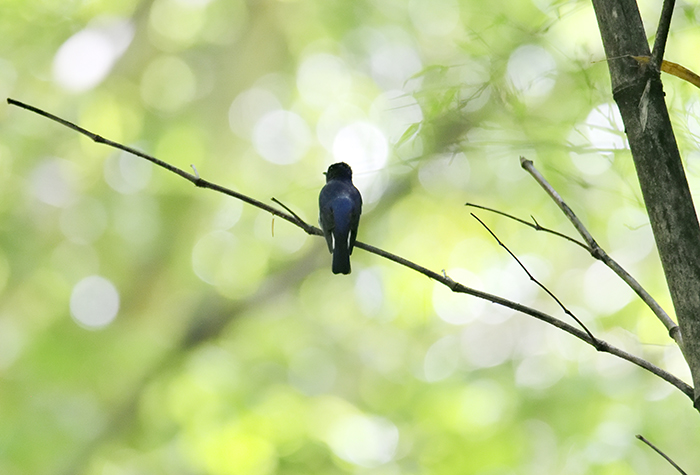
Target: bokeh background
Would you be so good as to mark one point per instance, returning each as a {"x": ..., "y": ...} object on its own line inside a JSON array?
[{"x": 149, "y": 327}]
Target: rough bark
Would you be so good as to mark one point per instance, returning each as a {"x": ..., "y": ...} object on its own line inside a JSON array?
[{"x": 638, "y": 92}]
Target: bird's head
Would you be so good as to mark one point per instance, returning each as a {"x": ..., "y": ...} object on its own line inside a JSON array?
[{"x": 339, "y": 171}]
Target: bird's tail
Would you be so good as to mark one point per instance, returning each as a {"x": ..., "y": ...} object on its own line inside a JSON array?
[
  {"x": 341, "y": 254},
  {"x": 341, "y": 258}
]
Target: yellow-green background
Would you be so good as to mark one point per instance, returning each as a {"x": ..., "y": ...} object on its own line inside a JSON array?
[{"x": 275, "y": 365}]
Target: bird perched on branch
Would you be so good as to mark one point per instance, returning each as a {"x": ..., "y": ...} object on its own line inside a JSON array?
[{"x": 340, "y": 206}]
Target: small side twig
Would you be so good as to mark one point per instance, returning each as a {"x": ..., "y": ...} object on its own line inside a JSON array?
[
  {"x": 301, "y": 222},
  {"x": 594, "y": 340},
  {"x": 598, "y": 253},
  {"x": 658, "y": 451},
  {"x": 534, "y": 225}
]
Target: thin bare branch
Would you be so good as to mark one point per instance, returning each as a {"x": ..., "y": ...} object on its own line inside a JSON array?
[
  {"x": 444, "y": 279},
  {"x": 194, "y": 179},
  {"x": 658, "y": 451},
  {"x": 598, "y": 253},
  {"x": 534, "y": 225},
  {"x": 540, "y": 284}
]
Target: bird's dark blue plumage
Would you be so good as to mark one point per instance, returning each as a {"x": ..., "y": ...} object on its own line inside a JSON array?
[{"x": 340, "y": 206}]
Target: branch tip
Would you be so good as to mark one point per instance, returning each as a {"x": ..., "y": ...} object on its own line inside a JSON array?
[{"x": 660, "y": 452}]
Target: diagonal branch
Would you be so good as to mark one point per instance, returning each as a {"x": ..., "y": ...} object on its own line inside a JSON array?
[
  {"x": 600, "y": 345},
  {"x": 598, "y": 253},
  {"x": 194, "y": 179}
]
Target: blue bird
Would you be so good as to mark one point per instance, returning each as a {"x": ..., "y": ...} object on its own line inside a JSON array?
[{"x": 340, "y": 206}]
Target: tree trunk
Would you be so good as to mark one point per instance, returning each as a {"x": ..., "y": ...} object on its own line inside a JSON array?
[{"x": 638, "y": 92}]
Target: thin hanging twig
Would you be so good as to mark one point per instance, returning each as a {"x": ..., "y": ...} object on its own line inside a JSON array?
[{"x": 594, "y": 340}]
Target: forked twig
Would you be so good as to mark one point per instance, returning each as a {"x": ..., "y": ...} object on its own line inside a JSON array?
[
  {"x": 598, "y": 253},
  {"x": 534, "y": 225}
]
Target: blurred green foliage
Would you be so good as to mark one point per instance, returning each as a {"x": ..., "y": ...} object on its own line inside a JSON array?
[{"x": 234, "y": 349}]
